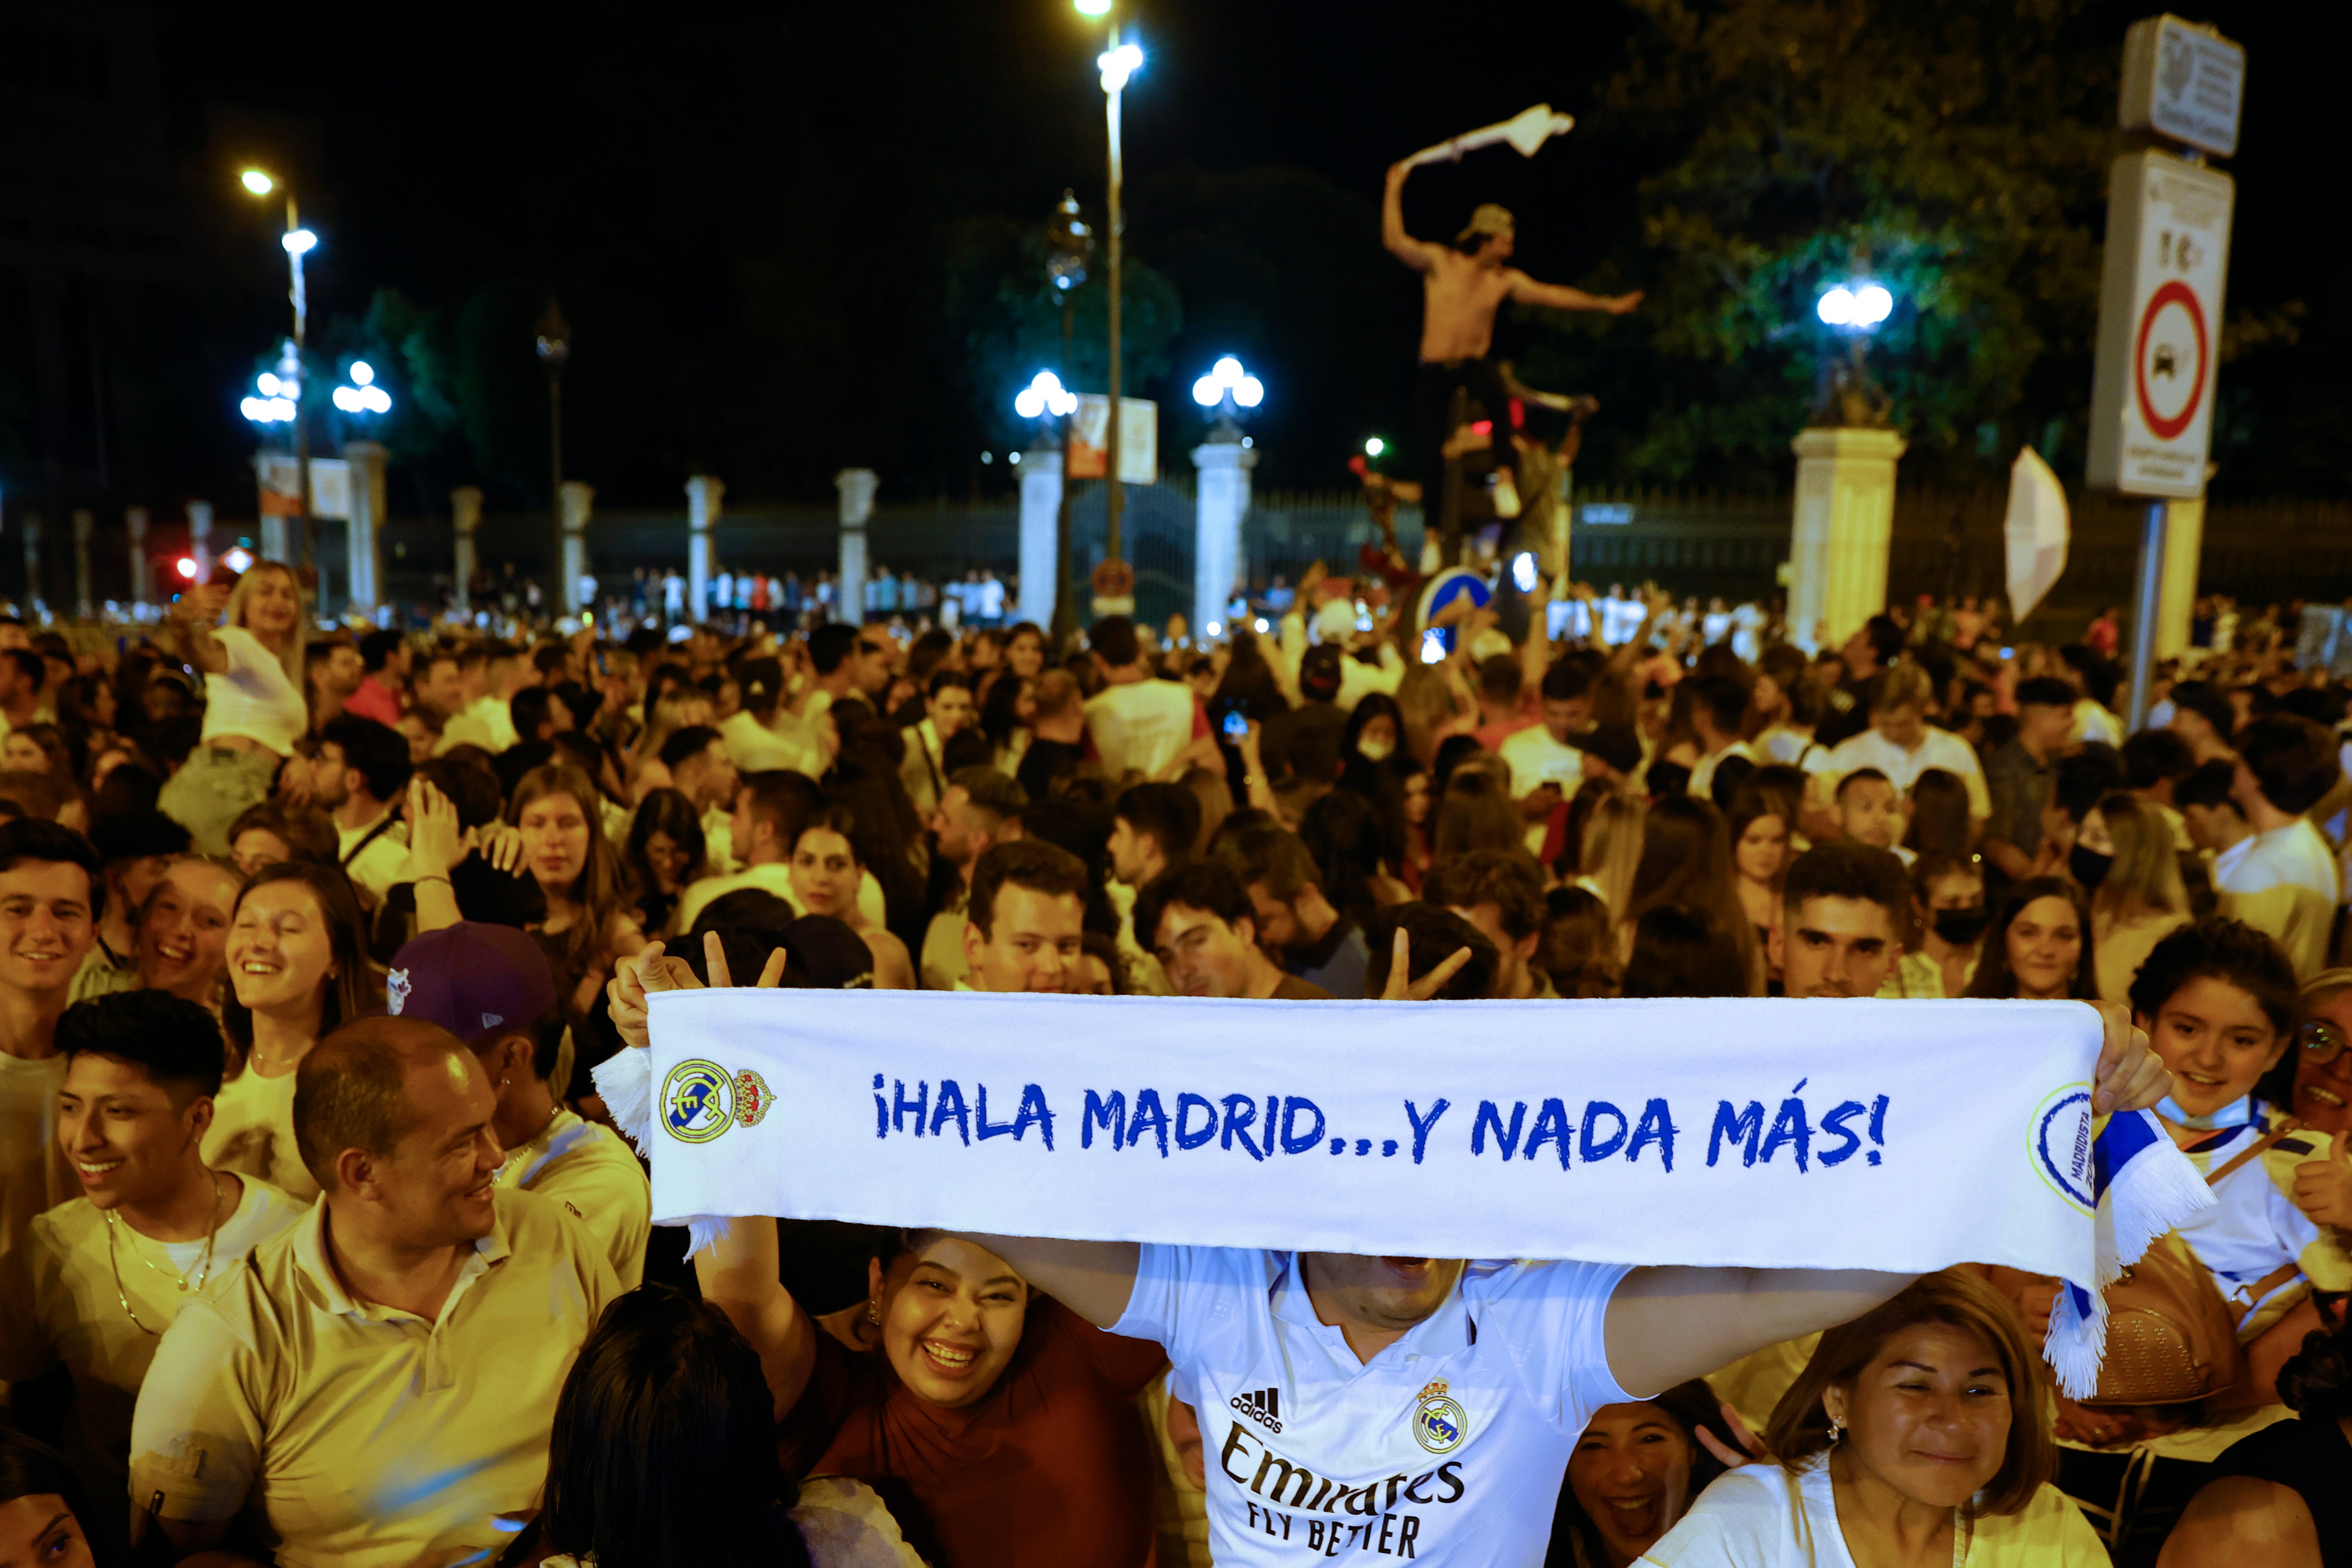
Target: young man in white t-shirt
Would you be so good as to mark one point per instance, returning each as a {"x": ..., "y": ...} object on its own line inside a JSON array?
[
  {"x": 1137, "y": 724},
  {"x": 1546, "y": 764},
  {"x": 2284, "y": 881}
]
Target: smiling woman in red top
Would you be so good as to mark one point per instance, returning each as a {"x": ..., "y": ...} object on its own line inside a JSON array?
[{"x": 999, "y": 1425}]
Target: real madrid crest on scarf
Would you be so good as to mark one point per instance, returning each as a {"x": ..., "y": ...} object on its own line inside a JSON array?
[
  {"x": 1439, "y": 1421},
  {"x": 700, "y": 1100}
]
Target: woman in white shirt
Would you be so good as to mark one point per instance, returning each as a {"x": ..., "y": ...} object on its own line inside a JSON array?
[
  {"x": 298, "y": 968},
  {"x": 254, "y": 710},
  {"x": 1916, "y": 1437}
]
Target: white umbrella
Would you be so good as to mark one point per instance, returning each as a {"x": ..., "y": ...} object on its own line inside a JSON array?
[{"x": 2036, "y": 529}]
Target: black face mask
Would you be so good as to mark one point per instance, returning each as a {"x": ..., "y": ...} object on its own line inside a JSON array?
[
  {"x": 1962, "y": 926},
  {"x": 2090, "y": 867}
]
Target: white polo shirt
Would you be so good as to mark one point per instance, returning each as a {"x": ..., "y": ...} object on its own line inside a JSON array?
[
  {"x": 358, "y": 1436},
  {"x": 1446, "y": 1448},
  {"x": 588, "y": 1170},
  {"x": 1940, "y": 749}
]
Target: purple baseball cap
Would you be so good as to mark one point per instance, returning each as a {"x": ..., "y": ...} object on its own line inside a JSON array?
[{"x": 473, "y": 979}]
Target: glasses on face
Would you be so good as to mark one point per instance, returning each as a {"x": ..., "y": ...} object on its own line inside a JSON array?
[{"x": 2322, "y": 1043}]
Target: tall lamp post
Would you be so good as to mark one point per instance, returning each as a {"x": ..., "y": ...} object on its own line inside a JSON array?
[
  {"x": 554, "y": 345},
  {"x": 297, "y": 242},
  {"x": 1117, "y": 62},
  {"x": 1069, "y": 245}
]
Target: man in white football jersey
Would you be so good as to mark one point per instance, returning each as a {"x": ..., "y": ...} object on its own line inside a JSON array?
[{"x": 1416, "y": 1407}]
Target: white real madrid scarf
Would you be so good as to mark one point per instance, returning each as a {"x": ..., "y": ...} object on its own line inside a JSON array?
[{"x": 1902, "y": 1136}]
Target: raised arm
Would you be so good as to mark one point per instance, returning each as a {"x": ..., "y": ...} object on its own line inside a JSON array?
[
  {"x": 189, "y": 628},
  {"x": 1667, "y": 1325},
  {"x": 1561, "y": 296},
  {"x": 1417, "y": 253},
  {"x": 1092, "y": 1278},
  {"x": 739, "y": 1273}
]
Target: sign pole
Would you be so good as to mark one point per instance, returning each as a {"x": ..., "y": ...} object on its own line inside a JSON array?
[
  {"x": 2149, "y": 596},
  {"x": 2161, "y": 294}
]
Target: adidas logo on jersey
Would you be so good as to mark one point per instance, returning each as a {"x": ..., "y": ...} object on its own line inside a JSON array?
[{"x": 1263, "y": 1405}]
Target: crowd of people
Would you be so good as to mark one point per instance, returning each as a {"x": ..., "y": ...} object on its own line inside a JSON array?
[{"x": 318, "y": 1245}]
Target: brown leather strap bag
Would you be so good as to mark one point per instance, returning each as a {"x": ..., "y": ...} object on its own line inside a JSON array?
[{"x": 2171, "y": 1336}]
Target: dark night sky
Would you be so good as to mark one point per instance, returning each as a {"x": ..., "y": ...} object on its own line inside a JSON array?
[{"x": 643, "y": 146}]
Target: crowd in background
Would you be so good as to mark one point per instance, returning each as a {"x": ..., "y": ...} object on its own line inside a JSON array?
[{"x": 317, "y": 1246}]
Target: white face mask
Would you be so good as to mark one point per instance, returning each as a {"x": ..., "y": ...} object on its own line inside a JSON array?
[{"x": 1373, "y": 750}]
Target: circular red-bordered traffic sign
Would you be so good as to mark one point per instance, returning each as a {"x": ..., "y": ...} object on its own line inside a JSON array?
[{"x": 2173, "y": 293}]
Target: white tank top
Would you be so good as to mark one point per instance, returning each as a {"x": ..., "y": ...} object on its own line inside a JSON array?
[{"x": 254, "y": 698}]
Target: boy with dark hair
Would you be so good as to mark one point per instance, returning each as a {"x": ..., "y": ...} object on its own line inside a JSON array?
[
  {"x": 1546, "y": 763},
  {"x": 1842, "y": 908},
  {"x": 1870, "y": 809},
  {"x": 360, "y": 778},
  {"x": 1296, "y": 923},
  {"x": 1024, "y": 922},
  {"x": 2020, "y": 773},
  {"x": 2215, "y": 824},
  {"x": 1500, "y": 892},
  {"x": 51, "y": 895},
  {"x": 1153, "y": 826},
  {"x": 1199, "y": 921},
  {"x": 1718, "y": 709},
  {"x": 971, "y": 819},
  {"x": 2204, "y": 718},
  {"x": 152, "y": 1226},
  {"x": 2283, "y": 880},
  {"x": 385, "y": 660}
]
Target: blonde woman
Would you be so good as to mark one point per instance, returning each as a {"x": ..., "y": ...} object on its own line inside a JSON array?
[
  {"x": 2124, "y": 851},
  {"x": 254, "y": 710},
  {"x": 1611, "y": 851}
]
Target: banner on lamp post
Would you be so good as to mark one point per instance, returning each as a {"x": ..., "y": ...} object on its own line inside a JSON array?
[{"x": 1138, "y": 439}]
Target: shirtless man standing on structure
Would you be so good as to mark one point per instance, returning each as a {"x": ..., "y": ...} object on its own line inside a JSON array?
[{"x": 1461, "y": 285}]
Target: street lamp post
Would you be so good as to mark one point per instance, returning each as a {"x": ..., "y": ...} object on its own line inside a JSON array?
[
  {"x": 297, "y": 242},
  {"x": 1118, "y": 63},
  {"x": 1069, "y": 244},
  {"x": 554, "y": 345}
]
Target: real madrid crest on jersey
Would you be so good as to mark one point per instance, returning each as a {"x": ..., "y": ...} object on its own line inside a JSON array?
[
  {"x": 700, "y": 1100},
  {"x": 1439, "y": 1421}
]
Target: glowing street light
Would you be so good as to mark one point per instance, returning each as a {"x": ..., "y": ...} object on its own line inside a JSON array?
[
  {"x": 1859, "y": 306},
  {"x": 297, "y": 242},
  {"x": 1374, "y": 447},
  {"x": 280, "y": 391},
  {"x": 1226, "y": 381},
  {"x": 363, "y": 396},
  {"x": 1044, "y": 396}
]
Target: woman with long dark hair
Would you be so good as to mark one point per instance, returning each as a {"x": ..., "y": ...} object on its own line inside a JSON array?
[
  {"x": 590, "y": 920},
  {"x": 663, "y": 1454},
  {"x": 1686, "y": 860},
  {"x": 666, "y": 850},
  {"x": 1633, "y": 1474},
  {"x": 299, "y": 968},
  {"x": 2039, "y": 946},
  {"x": 45, "y": 1515}
]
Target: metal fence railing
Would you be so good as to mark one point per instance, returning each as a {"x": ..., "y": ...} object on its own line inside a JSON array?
[{"x": 1703, "y": 543}]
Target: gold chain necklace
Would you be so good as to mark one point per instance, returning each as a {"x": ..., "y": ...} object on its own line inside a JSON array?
[{"x": 203, "y": 1269}]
